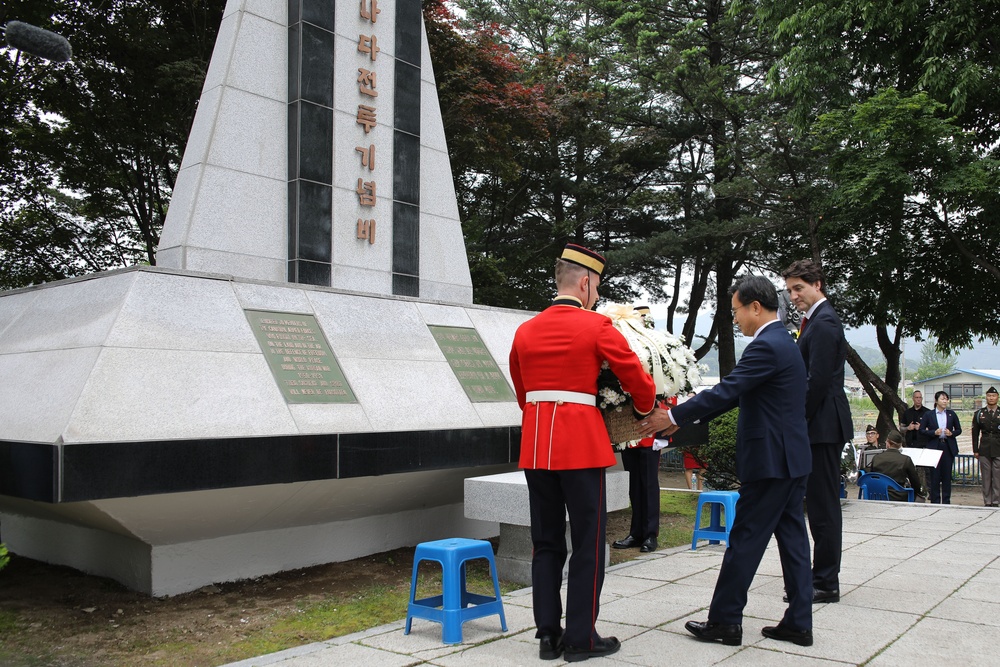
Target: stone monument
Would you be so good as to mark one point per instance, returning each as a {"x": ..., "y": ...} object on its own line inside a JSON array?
[{"x": 303, "y": 377}]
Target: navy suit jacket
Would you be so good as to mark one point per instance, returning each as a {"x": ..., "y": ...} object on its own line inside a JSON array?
[
  {"x": 929, "y": 424},
  {"x": 767, "y": 384},
  {"x": 824, "y": 350}
]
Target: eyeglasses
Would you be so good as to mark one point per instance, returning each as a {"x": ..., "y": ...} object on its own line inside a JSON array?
[{"x": 737, "y": 308}]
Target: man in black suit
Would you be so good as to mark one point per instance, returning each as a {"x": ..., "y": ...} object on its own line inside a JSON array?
[
  {"x": 773, "y": 460},
  {"x": 940, "y": 426},
  {"x": 909, "y": 425},
  {"x": 824, "y": 350}
]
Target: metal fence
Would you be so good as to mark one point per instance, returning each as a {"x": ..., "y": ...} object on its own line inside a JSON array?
[
  {"x": 672, "y": 461},
  {"x": 965, "y": 471}
]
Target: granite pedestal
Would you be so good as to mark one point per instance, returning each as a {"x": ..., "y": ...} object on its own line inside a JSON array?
[{"x": 504, "y": 498}]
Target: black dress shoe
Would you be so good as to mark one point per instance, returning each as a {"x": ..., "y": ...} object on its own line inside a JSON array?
[
  {"x": 783, "y": 634},
  {"x": 826, "y": 596},
  {"x": 603, "y": 646},
  {"x": 648, "y": 545},
  {"x": 709, "y": 631},
  {"x": 821, "y": 596},
  {"x": 550, "y": 647},
  {"x": 626, "y": 543}
]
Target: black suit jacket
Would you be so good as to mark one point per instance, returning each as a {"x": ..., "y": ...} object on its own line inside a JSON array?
[
  {"x": 824, "y": 351},
  {"x": 929, "y": 424},
  {"x": 767, "y": 384}
]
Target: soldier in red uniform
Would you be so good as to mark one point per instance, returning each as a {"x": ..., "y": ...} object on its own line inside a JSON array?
[{"x": 554, "y": 364}]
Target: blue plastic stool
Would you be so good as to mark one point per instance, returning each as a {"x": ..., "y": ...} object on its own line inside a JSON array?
[
  {"x": 715, "y": 531},
  {"x": 451, "y": 609}
]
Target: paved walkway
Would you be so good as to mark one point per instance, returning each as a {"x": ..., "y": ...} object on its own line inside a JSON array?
[{"x": 920, "y": 584}]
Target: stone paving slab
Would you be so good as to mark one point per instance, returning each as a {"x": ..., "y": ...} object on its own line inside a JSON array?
[
  {"x": 918, "y": 586},
  {"x": 934, "y": 641}
]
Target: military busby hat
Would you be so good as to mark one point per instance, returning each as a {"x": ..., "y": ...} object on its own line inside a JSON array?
[{"x": 579, "y": 255}]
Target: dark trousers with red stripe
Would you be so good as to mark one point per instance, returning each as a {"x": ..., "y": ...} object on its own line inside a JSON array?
[
  {"x": 551, "y": 493},
  {"x": 643, "y": 467}
]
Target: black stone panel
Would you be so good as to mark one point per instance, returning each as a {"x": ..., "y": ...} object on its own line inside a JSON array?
[
  {"x": 317, "y": 12},
  {"x": 315, "y": 205},
  {"x": 405, "y": 285},
  {"x": 406, "y": 168},
  {"x": 310, "y": 273},
  {"x": 692, "y": 435},
  {"x": 293, "y": 220},
  {"x": 368, "y": 454},
  {"x": 29, "y": 470},
  {"x": 293, "y": 140},
  {"x": 406, "y": 116},
  {"x": 119, "y": 470},
  {"x": 316, "y": 68},
  {"x": 405, "y": 239},
  {"x": 408, "y": 23},
  {"x": 96, "y": 471},
  {"x": 294, "y": 57},
  {"x": 315, "y": 143}
]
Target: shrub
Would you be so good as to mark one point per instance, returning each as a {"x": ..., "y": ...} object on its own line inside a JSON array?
[
  {"x": 719, "y": 455},
  {"x": 4, "y": 558}
]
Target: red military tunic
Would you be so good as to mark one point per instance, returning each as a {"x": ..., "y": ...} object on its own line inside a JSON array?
[{"x": 561, "y": 349}]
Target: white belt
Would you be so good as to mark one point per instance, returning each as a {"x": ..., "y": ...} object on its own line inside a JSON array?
[{"x": 556, "y": 396}]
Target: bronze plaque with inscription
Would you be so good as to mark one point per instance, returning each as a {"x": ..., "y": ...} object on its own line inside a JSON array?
[
  {"x": 300, "y": 358},
  {"x": 473, "y": 365}
]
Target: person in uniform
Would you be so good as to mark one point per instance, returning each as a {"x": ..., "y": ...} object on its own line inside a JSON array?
[
  {"x": 554, "y": 363},
  {"x": 897, "y": 465},
  {"x": 773, "y": 462},
  {"x": 986, "y": 447},
  {"x": 869, "y": 448},
  {"x": 642, "y": 463}
]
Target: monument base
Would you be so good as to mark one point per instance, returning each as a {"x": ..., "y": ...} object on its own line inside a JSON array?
[
  {"x": 178, "y": 568},
  {"x": 503, "y": 498},
  {"x": 144, "y": 436}
]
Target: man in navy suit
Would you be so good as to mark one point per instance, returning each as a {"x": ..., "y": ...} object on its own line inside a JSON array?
[
  {"x": 940, "y": 426},
  {"x": 773, "y": 461},
  {"x": 824, "y": 350}
]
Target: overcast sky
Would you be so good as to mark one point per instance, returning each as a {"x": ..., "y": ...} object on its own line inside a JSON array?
[{"x": 982, "y": 355}]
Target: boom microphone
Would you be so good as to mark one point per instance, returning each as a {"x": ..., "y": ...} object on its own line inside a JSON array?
[{"x": 37, "y": 42}]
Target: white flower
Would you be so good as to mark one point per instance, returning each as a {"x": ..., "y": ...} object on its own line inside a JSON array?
[{"x": 665, "y": 357}]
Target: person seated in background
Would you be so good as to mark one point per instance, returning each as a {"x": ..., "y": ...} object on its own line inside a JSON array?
[
  {"x": 897, "y": 465},
  {"x": 869, "y": 447}
]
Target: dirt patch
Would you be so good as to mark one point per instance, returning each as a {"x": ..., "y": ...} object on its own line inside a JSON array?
[{"x": 62, "y": 617}]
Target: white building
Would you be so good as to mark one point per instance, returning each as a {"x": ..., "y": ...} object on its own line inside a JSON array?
[{"x": 961, "y": 383}]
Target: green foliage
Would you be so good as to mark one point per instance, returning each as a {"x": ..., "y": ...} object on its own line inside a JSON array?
[
  {"x": 4, "y": 556},
  {"x": 719, "y": 455},
  {"x": 934, "y": 362},
  {"x": 90, "y": 149}
]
